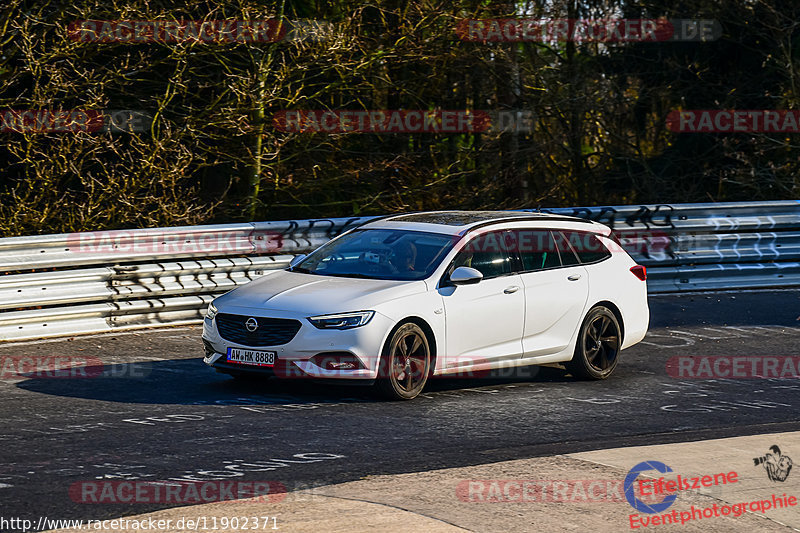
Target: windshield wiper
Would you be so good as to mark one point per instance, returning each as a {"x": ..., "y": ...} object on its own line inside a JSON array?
[
  {"x": 300, "y": 269},
  {"x": 352, "y": 275}
]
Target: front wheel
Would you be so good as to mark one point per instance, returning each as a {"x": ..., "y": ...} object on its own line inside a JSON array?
[
  {"x": 597, "y": 349},
  {"x": 405, "y": 363}
]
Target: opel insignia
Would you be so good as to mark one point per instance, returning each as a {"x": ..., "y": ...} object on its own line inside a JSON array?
[{"x": 403, "y": 298}]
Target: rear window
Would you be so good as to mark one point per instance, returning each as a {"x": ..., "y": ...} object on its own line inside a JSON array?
[{"x": 587, "y": 246}]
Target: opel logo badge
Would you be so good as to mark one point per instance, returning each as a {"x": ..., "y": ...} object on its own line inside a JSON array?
[{"x": 251, "y": 324}]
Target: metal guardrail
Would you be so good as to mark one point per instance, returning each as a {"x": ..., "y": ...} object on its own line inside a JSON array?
[
  {"x": 694, "y": 247},
  {"x": 93, "y": 282}
]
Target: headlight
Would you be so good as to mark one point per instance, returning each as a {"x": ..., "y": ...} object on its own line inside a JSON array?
[
  {"x": 212, "y": 312},
  {"x": 342, "y": 320}
]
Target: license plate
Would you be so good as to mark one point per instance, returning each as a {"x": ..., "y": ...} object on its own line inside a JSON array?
[{"x": 251, "y": 357}]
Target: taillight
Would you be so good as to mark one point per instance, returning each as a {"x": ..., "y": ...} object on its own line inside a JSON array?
[{"x": 639, "y": 271}]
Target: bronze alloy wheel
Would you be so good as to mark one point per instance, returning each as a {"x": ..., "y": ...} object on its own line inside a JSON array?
[
  {"x": 597, "y": 350},
  {"x": 405, "y": 363}
]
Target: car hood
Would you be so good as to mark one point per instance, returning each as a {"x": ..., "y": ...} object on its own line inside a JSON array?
[{"x": 312, "y": 294}]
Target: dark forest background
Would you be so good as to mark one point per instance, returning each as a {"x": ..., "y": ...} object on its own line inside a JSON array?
[{"x": 213, "y": 156}]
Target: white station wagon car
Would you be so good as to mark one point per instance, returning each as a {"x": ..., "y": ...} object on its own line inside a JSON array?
[{"x": 403, "y": 298}]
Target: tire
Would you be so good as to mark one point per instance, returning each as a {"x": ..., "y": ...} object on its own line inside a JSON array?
[
  {"x": 405, "y": 363},
  {"x": 597, "y": 348}
]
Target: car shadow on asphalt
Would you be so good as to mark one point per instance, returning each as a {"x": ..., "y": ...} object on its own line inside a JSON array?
[{"x": 190, "y": 382}]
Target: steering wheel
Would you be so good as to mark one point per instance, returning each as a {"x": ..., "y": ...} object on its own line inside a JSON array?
[{"x": 379, "y": 266}]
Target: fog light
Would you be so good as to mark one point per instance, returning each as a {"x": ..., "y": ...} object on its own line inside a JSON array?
[
  {"x": 337, "y": 361},
  {"x": 340, "y": 365}
]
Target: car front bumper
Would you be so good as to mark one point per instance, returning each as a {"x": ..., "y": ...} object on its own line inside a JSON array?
[{"x": 293, "y": 358}]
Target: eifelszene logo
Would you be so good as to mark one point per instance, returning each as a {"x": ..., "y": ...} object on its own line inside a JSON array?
[{"x": 630, "y": 480}]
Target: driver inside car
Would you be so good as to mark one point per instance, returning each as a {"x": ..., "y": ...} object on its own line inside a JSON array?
[{"x": 404, "y": 256}]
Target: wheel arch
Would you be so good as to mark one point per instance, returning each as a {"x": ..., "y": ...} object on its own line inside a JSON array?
[
  {"x": 426, "y": 328},
  {"x": 617, "y": 313}
]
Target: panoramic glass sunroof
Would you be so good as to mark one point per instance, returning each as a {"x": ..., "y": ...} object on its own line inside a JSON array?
[{"x": 459, "y": 218}]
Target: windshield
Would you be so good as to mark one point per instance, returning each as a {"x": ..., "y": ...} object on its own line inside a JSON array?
[{"x": 379, "y": 254}]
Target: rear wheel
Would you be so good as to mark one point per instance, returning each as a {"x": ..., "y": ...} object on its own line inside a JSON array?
[
  {"x": 597, "y": 349},
  {"x": 405, "y": 363}
]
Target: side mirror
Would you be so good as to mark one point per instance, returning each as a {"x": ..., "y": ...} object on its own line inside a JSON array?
[
  {"x": 296, "y": 260},
  {"x": 465, "y": 276}
]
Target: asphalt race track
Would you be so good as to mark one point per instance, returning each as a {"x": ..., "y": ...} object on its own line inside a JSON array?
[{"x": 157, "y": 413}]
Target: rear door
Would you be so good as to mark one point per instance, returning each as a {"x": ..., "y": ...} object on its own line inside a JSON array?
[{"x": 556, "y": 289}]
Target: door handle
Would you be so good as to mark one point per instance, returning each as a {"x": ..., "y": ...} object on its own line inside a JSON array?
[
  {"x": 574, "y": 277},
  {"x": 512, "y": 289}
]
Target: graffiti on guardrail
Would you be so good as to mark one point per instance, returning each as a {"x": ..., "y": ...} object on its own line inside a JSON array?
[
  {"x": 665, "y": 234},
  {"x": 659, "y": 216},
  {"x": 306, "y": 233}
]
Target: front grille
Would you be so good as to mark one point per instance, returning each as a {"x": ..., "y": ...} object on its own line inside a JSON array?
[{"x": 270, "y": 332}]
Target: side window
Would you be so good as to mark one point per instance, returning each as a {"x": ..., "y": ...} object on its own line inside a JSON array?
[
  {"x": 568, "y": 257},
  {"x": 587, "y": 246},
  {"x": 536, "y": 248},
  {"x": 487, "y": 253}
]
